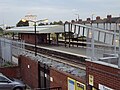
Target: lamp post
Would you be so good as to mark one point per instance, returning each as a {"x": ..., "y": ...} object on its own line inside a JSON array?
[
  {"x": 44, "y": 20},
  {"x": 77, "y": 16}
]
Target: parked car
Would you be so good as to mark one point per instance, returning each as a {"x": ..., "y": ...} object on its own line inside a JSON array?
[{"x": 10, "y": 83}]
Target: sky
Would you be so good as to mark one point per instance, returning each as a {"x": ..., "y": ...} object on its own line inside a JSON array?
[{"x": 11, "y": 11}]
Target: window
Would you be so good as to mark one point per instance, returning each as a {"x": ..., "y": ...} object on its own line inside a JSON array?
[{"x": 2, "y": 79}]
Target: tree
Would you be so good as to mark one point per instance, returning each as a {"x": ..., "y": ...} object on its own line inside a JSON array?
[
  {"x": 73, "y": 21},
  {"x": 41, "y": 24},
  {"x": 58, "y": 23},
  {"x": 1, "y": 29},
  {"x": 55, "y": 23},
  {"x": 46, "y": 23},
  {"x": 21, "y": 23},
  {"x": 51, "y": 23}
]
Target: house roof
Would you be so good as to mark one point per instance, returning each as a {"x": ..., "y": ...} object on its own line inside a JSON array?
[
  {"x": 105, "y": 20},
  {"x": 39, "y": 29}
]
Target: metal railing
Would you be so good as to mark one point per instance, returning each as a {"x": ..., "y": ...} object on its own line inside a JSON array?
[{"x": 104, "y": 41}]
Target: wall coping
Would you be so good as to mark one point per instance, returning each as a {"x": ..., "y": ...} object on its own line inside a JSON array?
[{"x": 103, "y": 63}]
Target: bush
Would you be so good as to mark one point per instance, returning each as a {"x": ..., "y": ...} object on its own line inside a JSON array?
[{"x": 7, "y": 64}]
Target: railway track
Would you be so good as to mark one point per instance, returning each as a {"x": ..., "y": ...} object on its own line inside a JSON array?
[{"x": 61, "y": 56}]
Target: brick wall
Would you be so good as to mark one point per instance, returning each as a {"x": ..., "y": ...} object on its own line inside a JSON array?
[
  {"x": 60, "y": 79},
  {"x": 30, "y": 38},
  {"x": 12, "y": 72},
  {"x": 30, "y": 75},
  {"x": 104, "y": 75},
  {"x": 29, "y": 71}
]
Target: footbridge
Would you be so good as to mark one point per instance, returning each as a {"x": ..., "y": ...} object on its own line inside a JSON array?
[{"x": 98, "y": 42}]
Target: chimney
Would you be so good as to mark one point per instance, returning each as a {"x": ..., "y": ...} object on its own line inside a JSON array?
[
  {"x": 88, "y": 19},
  {"x": 80, "y": 20},
  {"x": 98, "y": 18},
  {"x": 109, "y": 16}
]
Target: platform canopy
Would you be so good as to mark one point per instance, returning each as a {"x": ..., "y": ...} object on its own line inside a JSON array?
[{"x": 39, "y": 29}]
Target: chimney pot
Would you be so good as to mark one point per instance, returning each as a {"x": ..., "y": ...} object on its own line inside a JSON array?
[
  {"x": 98, "y": 18},
  {"x": 88, "y": 19}
]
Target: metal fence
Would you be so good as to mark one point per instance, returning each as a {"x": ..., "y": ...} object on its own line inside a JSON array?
[
  {"x": 10, "y": 48},
  {"x": 98, "y": 42}
]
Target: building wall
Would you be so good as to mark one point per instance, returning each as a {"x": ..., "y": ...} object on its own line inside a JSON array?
[
  {"x": 30, "y": 75},
  {"x": 29, "y": 71},
  {"x": 60, "y": 79},
  {"x": 13, "y": 72},
  {"x": 105, "y": 75},
  {"x": 30, "y": 38}
]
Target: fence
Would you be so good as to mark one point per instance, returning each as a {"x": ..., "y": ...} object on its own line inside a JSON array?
[
  {"x": 97, "y": 41},
  {"x": 8, "y": 49}
]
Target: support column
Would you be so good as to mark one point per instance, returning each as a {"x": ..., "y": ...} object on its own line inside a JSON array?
[
  {"x": 45, "y": 76},
  {"x": 49, "y": 38},
  {"x": 98, "y": 35},
  {"x": 119, "y": 48},
  {"x": 78, "y": 35},
  {"x": 110, "y": 26},
  {"x": 65, "y": 34},
  {"x": 39, "y": 74},
  {"x": 83, "y": 30},
  {"x": 69, "y": 34},
  {"x": 97, "y": 25},
  {"x": 105, "y": 37},
  {"x": 13, "y": 36},
  {"x": 18, "y": 36},
  {"x": 104, "y": 25},
  {"x": 57, "y": 34}
]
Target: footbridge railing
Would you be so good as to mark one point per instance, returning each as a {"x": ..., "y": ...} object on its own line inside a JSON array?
[{"x": 105, "y": 41}]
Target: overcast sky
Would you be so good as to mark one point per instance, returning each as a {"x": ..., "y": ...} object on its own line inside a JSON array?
[{"x": 11, "y": 11}]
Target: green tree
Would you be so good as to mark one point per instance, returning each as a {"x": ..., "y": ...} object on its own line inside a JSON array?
[
  {"x": 58, "y": 23},
  {"x": 41, "y": 24},
  {"x": 21, "y": 23}
]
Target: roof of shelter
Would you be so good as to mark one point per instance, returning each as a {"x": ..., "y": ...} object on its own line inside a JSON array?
[{"x": 39, "y": 29}]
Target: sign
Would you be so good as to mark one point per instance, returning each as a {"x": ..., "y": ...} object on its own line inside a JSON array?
[
  {"x": 94, "y": 88},
  {"x": 102, "y": 87},
  {"x": 75, "y": 85},
  {"x": 80, "y": 86},
  {"x": 71, "y": 84},
  {"x": 91, "y": 80}
]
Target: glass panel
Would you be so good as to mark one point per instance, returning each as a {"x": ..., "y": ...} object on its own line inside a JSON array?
[
  {"x": 102, "y": 37},
  {"x": 2, "y": 79}
]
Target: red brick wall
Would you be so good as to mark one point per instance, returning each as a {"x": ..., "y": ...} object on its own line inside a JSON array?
[
  {"x": 104, "y": 75},
  {"x": 60, "y": 79},
  {"x": 30, "y": 38},
  {"x": 12, "y": 72},
  {"x": 29, "y": 75}
]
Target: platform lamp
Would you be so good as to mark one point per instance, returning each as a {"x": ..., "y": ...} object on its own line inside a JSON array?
[
  {"x": 43, "y": 20},
  {"x": 78, "y": 16}
]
